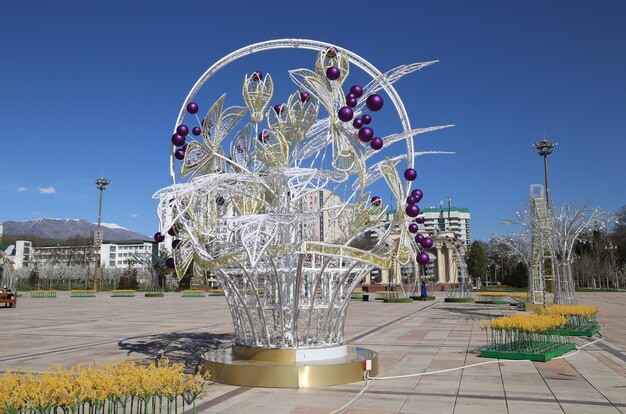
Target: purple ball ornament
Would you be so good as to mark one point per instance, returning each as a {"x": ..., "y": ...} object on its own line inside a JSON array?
[
  {"x": 169, "y": 262},
  {"x": 419, "y": 238},
  {"x": 411, "y": 200},
  {"x": 412, "y": 210},
  {"x": 158, "y": 237},
  {"x": 366, "y": 119},
  {"x": 179, "y": 154},
  {"x": 351, "y": 101},
  {"x": 220, "y": 201},
  {"x": 410, "y": 174},
  {"x": 264, "y": 136},
  {"x": 196, "y": 131},
  {"x": 333, "y": 73},
  {"x": 366, "y": 134},
  {"x": 374, "y": 102},
  {"x": 417, "y": 194},
  {"x": 376, "y": 143},
  {"x": 175, "y": 243},
  {"x": 304, "y": 96},
  {"x": 182, "y": 130},
  {"x": 345, "y": 114},
  {"x": 376, "y": 201},
  {"x": 422, "y": 258},
  {"x": 172, "y": 231},
  {"x": 357, "y": 123},
  {"x": 356, "y": 90},
  {"x": 420, "y": 220},
  {"x": 279, "y": 108},
  {"x": 178, "y": 140},
  {"x": 257, "y": 75},
  {"x": 192, "y": 108},
  {"x": 427, "y": 243},
  {"x": 413, "y": 228}
]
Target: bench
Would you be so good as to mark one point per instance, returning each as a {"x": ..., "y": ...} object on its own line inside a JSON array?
[
  {"x": 9, "y": 299},
  {"x": 43, "y": 294},
  {"x": 83, "y": 294}
]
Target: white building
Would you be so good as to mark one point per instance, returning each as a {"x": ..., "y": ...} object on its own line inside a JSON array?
[
  {"x": 455, "y": 219},
  {"x": 112, "y": 254}
]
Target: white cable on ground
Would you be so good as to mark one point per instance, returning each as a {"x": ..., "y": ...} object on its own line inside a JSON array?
[{"x": 369, "y": 381}]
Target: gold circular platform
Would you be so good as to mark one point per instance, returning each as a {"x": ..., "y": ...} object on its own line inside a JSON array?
[{"x": 282, "y": 368}]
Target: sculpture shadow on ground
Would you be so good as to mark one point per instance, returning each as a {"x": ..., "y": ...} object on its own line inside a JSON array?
[{"x": 186, "y": 348}]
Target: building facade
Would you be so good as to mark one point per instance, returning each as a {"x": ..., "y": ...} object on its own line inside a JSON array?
[
  {"x": 121, "y": 254},
  {"x": 454, "y": 219}
]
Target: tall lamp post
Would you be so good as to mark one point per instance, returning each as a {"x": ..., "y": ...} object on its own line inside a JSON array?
[
  {"x": 545, "y": 148},
  {"x": 101, "y": 183}
]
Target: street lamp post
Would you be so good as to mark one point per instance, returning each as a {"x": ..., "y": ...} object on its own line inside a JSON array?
[
  {"x": 545, "y": 149},
  {"x": 101, "y": 183}
]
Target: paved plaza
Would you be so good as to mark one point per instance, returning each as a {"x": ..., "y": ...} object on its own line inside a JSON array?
[{"x": 411, "y": 338}]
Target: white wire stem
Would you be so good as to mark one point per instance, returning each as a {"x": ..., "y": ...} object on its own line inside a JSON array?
[{"x": 369, "y": 380}]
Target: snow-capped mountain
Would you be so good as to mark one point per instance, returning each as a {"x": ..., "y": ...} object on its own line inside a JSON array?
[{"x": 61, "y": 229}]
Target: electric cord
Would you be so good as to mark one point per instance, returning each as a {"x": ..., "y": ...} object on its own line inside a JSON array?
[{"x": 369, "y": 380}]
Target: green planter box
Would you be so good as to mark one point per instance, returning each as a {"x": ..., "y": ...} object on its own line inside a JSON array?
[
  {"x": 588, "y": 329},
  {"x": 548, "y": 352},
  {"x": 398, "y": 300},
  {"x": 459, "y": 300},
  {"x": 43, "y": 294},
  {"x": 154, "y": 295},
  {"x": 83, "y": 294},
  {"x": 422, "y": 299}
]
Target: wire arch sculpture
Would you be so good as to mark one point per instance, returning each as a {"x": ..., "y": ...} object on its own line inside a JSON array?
[{"x": 258, "y": 207}]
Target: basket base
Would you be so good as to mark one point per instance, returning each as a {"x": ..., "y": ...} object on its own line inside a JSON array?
[{"x": 228, "y": 366}]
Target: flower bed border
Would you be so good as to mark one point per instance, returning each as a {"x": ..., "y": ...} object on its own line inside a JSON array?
[
  {"x": 494, "y": 302},
  {"x": 397, "y": 300},
  {"x": 588, "y": 329},
  {"x": 421, "y": 298},
  {"x": 460, "y": 300},
  {"x": 540, "y": 357}
]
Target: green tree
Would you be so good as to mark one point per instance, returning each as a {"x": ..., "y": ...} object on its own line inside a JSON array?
[
  {"x": 477, "y": 262},
  {"x": 128, "y": 279},
  {"x": 33, "y": 278}
]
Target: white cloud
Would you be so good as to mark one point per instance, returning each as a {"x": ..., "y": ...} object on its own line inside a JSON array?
[
  {"x": 133, "y": 215},
  {"x": 47, "y": 190},
  {"x": 21, "y": 189}
]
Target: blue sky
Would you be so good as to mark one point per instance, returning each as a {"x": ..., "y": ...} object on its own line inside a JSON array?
[{"x": 91, "y": 89}]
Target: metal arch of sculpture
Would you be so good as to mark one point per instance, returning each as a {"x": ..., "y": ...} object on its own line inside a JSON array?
[{"x": 248, "y": 219}]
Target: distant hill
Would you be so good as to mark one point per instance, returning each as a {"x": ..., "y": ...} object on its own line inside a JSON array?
[{"x": 63, "y": 229}]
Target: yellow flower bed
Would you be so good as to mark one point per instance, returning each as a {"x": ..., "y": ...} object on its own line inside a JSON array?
[
  {"x": 519, "y": 295},
  {"x": 215, "y": 291},
  {"x": 534, "y": 323},
  {"x": 571, "y": 310},
  {"x": 524, "y": 334},
  {"x": 113, "y": 386}
]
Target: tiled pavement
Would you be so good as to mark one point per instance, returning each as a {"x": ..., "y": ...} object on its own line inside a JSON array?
[{"x": 410, "y": 338}]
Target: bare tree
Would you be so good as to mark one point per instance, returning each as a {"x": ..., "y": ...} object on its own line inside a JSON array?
[{"x": 566, "y": 225}]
